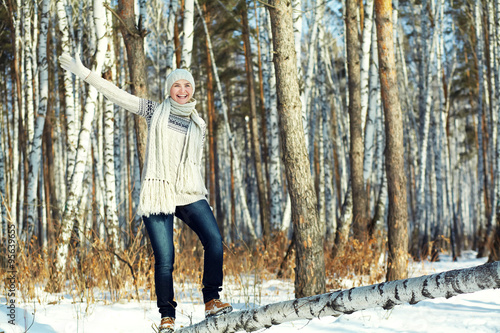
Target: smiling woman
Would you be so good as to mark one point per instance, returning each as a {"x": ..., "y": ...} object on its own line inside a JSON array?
[
  {"x": 172, "y": 183},
  {"x": 181, "y": 91}
]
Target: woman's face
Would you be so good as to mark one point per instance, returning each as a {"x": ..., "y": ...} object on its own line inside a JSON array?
[{"x": 181, "y": 91}]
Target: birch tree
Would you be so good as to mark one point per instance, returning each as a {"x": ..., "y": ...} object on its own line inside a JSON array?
[
  {"x": 495, "y": 237},
  {"x": 69, "y": 100},
  {"x": 76, "y": 190},
  {"x": 365, "y": 62},
  {"x": 481, "y": 168},
  {"x": 310, "y": 262},
  {"x": 170, "y": 56},
  {"x": 254, "y": 126},
  {"x": 109, "y": 162},
  {"x": 385, "y": 295},
  {"x": 36, "y": 150},
  {"x": 271, "y": 111},
  {"x": 187, "y": 34},
  {"x": 29, "y": 122}
]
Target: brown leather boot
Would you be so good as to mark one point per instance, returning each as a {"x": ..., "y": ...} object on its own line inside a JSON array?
[
  {"x": 167, "y": 325},
  {"x": 216, "y": 307}
]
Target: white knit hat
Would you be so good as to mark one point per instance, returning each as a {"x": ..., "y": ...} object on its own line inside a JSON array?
[{"x": 176, "y": 75}]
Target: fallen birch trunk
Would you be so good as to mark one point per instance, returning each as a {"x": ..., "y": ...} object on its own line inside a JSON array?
[{"x": 385, "y": 295}]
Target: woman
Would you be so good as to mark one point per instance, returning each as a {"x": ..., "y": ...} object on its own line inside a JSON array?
[{"x": 172, "y": 183}]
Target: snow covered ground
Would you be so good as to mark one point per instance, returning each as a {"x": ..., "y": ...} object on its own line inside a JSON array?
[{"x": 478, "y": 312}]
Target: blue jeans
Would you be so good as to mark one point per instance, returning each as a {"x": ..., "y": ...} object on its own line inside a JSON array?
[{"x": 199, "y": 217}]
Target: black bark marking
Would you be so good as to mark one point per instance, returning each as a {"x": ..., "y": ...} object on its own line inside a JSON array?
[
  {"x": 349, "y": 294},
  {"x": 426, "y": 292},
  {"x": 449, "y": 294},
  {"x": 388, "y": 305},
  {"x": 413, "y": 299},
  {"x": 380, "y": 288},
  {"x": 438, "y": 284},
  {"x": 296, "y": 307},
  {"x": 396, "y": 293},
  {"x": 454, "y": 285}
]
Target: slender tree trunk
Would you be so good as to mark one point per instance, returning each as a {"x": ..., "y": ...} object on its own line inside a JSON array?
[
  {"x": 76, "y": 191},
  {"x": 257, "y": 156},
  {"x": 110, "y": 202},
  {"x": 482, "y": 167},
  {"x": 211, "y": 119},
  {"x": 187, "y": 34},
  {"x": 133, "y": 36},
  {"x": 344, "y": 225},
  {"x": 36, "y": 151},
  {"x": 394, "y": 161},
  {"x": 310, "y": 264},
  {"x": 495, "y": 237},
  {"x": 360, "y": 220},
  {"x": 271, "y": 111},
  {"x": 170, "y": 56},
  {"x": 365, "y": 63}
]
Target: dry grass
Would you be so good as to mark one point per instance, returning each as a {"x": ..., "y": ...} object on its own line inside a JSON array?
[{"x": 90, "y": 276}]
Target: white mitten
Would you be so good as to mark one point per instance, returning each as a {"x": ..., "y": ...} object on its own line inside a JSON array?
[{"x": 74, "y": 65}]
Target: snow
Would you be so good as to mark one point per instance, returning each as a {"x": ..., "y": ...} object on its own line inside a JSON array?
[{"x": 478, "y": 312}]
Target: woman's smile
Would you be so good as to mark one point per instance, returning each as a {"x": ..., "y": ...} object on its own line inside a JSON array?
[{"x": 181, "y": 91}]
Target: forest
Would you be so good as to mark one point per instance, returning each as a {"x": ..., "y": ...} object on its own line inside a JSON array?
[{"x": 361, "y": 135}]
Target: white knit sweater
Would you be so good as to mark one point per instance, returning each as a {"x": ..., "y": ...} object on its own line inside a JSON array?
[{"x": 176, "y": 130}]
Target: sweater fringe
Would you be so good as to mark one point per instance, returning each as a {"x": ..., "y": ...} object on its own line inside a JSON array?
[{"x": 157, "y": 196}]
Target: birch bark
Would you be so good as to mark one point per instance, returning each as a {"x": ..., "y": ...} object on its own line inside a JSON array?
[
  {"x": 110, "y": 207},
  {"x": 369, "y": 130},
  {"x": 76, "y": 191},
  {"x": 254, "y": 126},
  {"x": 69, "y": 101},
  {"x": 172, "y": 10},
  {"x": 187, "y": 37},
  {"x": 28, "y": 73},
  {"x": 482, "y": 190},
  {"x": 271, "y": 111},
  {"x": 36, "y": 151},
  {"x": 365, "y": 62},
  {"x": 386, "y": 295}
]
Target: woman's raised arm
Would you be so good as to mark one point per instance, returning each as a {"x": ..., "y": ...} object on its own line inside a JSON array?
[{"x": 113, "y": 93}]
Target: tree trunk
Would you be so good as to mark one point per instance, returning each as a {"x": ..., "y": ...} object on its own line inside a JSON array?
[
  {"x": 254, "y": 126},
  {"x": 310, "y": 264},
  {"x": 75, "y": 192},
  {"x": 344, "y": 225},
  {"x": 172, "y": 12},
  {"x": 271, "y": 112},
  {"x": 187, "y": 34},
  {"x": 481, "y": 126},
  {"x": 386, "y": 295},
  {"x": 36, "y": 150},
  {"x": 211, "y": 119},
  {"x": 394, "y": 151},
  {"x": 360, "y": 221},
  {"x": 133, "y": 36}
]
